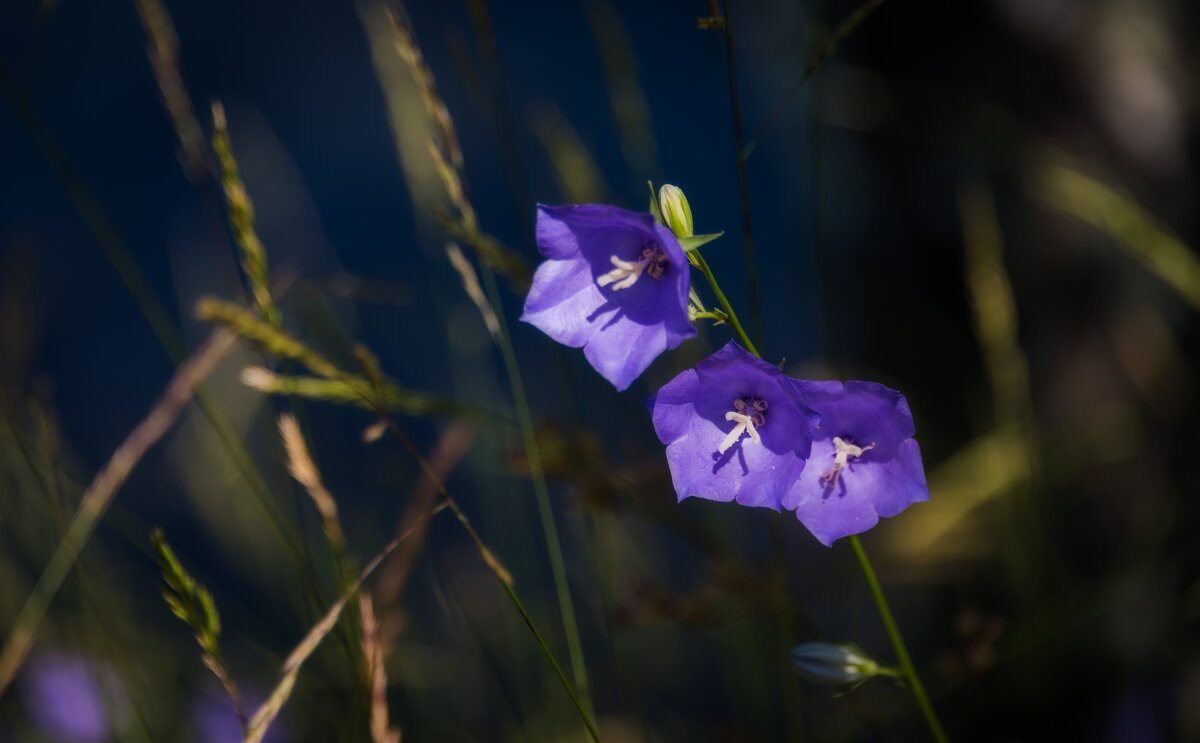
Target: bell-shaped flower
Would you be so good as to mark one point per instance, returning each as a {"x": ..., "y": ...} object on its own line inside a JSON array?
[
  {"x": 614, "y": 282},
  {"x": 864, "y": 462},
  {"x": 735, "y": 429}
]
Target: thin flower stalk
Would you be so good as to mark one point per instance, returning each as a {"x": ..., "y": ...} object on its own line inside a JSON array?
[
  {"x": 881, "y": 602},
  {"x": 730, "y": 316},
  {"x": 533, "y": 455}
]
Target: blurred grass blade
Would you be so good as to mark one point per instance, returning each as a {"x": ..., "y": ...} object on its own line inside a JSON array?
[
  {"x": 575, "y": 170},
  {"x": 303, "y": 470},
  {"x": 266, "y": 714},
  {"x": 848, "y": 27},
  {"x": 994, "y": 310},
  {"x": 193, "y": 604},
  {"x": 249, "y": 326},
  {"x": 147, "y": 300},
  {"x": 447, "y": 153},
  {"x": 410, "y": 52},
  {"x": 337, "y": 385},
  {"x": 100, "y": 492},
  {"x": 626, "y": 99},
  {"x": 162, "y": 47},
  {"x": 241, "y": 218},
  {"x": 498, "y": 258},
  {"x": 1142, "y": 235},
  {"x": 374, "y": 650},
  {"x": 350, "y": 392},
  {"x": 470, "y": 282},
  {"x": 493, "y": 564}
]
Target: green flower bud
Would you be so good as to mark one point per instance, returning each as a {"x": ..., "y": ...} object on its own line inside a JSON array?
[
  {"x": 675, "y": 210},
  {"x": 836, "y": 665}
]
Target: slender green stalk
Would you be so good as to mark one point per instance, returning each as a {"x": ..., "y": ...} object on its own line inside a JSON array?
[
  {"x": 494, "y": 565},
  {"x": 730, "y": 316},
  {"x": 534, "y": 457},
  {"x": 881, "y": 603},
  {"x": 579, "y": 704},
  {"x": 889, "y": 623}
]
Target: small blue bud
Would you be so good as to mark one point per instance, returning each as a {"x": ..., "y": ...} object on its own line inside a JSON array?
[{"x": 836, "y": 665}]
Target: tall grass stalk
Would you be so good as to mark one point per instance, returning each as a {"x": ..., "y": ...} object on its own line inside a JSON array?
[
  {"x": 448, "y": 160},
  {"x": 497, "y": 569},
  {"x": 369, "y": 387},
  {"x": 533, "y": 456},
  {"x": 100, "y": 492},
  {"x": 148, "y": 302}
]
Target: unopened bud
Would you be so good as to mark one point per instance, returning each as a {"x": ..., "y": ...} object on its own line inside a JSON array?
[
  {"x": 675, "y": 210},
  {"x": 836, "y": 665}
]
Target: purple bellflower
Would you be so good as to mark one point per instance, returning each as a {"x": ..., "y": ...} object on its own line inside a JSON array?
[
  {"x": 69, "y": 696},
  {"x": 615, "y": 282},
  {"x": 864, "y": 462},
  {"x": 735, "y": 429}
]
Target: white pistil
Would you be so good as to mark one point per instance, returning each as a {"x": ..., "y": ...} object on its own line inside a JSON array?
[
  {"x": 745, "y": 424},
  {"x": 845, "y": 450},
  {"x": 748, "y": 422},
  {"x": 626, "y": 273}
]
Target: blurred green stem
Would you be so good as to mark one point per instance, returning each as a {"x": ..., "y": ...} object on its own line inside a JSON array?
[
  {"x": 889, "y": 623},
  {"x": 881, "y": 603},
  {"x": 493, "y": 564},
  {"x": 533, "y": 456}
]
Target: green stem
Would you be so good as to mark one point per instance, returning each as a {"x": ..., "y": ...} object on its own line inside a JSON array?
[
  {"x": 889, "y": 623},
  {"x": 533, "y": 456},
  {"x": 731, "y": 315},
  {"x": 489, "y": 559},
  {"x": 579, "y": 705},
  {"x": 881, "y": 603}
]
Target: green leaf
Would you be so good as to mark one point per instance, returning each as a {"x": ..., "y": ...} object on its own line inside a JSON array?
[
  {"x": 691, "y": 243},
  {"x": 654, "y": 208}
]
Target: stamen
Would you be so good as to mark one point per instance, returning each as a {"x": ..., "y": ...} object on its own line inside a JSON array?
[
  {"x": 653, "y": 262},
  {"x": 841, "y": 459},
  {"x": 748, "y": 422},
  {"x": 745, "y": 424}
]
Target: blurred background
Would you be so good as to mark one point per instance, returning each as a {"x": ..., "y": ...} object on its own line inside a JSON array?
[{"x": 989, "y": 206}]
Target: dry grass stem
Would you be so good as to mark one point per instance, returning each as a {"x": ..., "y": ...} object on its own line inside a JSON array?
[
  {"x": 100, "y": 492},
  {"x": 266, "y": 714}
]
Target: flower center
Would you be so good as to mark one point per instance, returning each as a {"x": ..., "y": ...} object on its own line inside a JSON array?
[
  {"x": 845, "y": 450},
  {"x": 653, "y": 263},
  {"x": 750, "y": 415}
]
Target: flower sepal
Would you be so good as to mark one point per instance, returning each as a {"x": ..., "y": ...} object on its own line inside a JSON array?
[{"x": 691, "y": 243}]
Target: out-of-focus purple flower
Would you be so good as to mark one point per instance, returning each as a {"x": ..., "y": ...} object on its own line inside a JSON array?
[
  {"x": 215, "y": 720},
  {"x": 735, "y": 429},
  {"x": 615, "y": 282},
  {"x": 67, "y": 697},
  {"x": 864, "y": 462}
]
